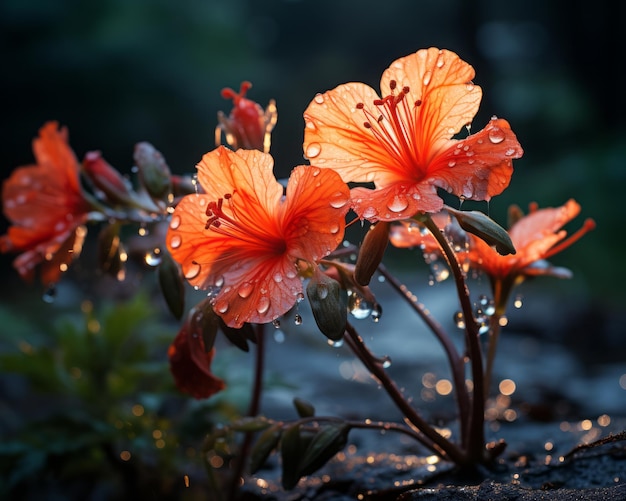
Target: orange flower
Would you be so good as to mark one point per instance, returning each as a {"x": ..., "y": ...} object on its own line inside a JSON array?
[
  {"x": 536, "y": 237},
  {"x": 47, "y": 208},
  {"x": 402, "y": 141},
  {"x": 190, "y": 364},
  {"x": 246, "y": 241}
]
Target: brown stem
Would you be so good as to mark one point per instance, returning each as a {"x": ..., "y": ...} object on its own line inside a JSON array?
[
  {"x": 476, "y": 432},
  {"x": 253, "y": 410},
  {"x": 455, "y": 361},
  {"x": 435, "y": 442}
]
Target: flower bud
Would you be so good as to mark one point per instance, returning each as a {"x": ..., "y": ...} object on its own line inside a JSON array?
[
  {"x": 329, "y": 305},
  {"x": 154, "y": 173},
  {"x": 105, "y": 178},
  {"x": 371, "y": 252},
  {"x": 248, "y": 125}
]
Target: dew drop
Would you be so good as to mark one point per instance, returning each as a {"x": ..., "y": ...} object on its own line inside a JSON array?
[
  {"x": 297, "y": 319},
  {"x": 427, "y": 76},
  {"x": 451, "y": 163},
  {"x": 245, "y": 290},
  {"x": 290, "y": 274},
  {"x": 319, "y": 98},
  {"x": 313, "y": 150},
  {"x": 377, "y": 310},
  {"x": 277, "y": 277},
  {"x": 263, "y": 305},
  {"x": 336, "y": 344},
  {"x": 496, "y": 136},
  {"x": 470, "y": 87},
  {"x": 509, "y": 152},
  {"x": 398, "y": 204},
  {"x": 386, "y": 362},
  {"x": 338, "y": 200},
  {"x": 440, "y": 61},
  {"x": 299, "y": 297},
  {"x": 334, "y": 228},
  {"x": 358, "y": 307},
  {"x": 221, "y": 306},
  {"x": 175, "y": 222},
  {"x": 175, "y": 241},
  {"x": 369, "y": 212},
  {"x": 192, "y": 271},
  {"x": 315, "y": 171},
  {"x": 219, "y": 281}
]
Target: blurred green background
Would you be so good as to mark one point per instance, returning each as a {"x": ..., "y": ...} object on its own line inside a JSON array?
[{"x": 121, "y": 71}]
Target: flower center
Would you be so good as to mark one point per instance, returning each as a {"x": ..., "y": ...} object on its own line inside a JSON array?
[
  {"x": 394, "y": 125},
  {"x": 245, "y": 226}
]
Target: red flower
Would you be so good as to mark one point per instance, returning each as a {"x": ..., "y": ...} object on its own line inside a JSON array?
[
  {"x": 248, "y": 126},
  {"x": 402, "y": 141},
  {"x": 190, "y": 364},
  {"x": 246, "y": 241},
  {"x": 47, "y": 208}
]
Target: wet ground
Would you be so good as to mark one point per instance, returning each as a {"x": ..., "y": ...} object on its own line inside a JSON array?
[{"x": 564, "y": 358}]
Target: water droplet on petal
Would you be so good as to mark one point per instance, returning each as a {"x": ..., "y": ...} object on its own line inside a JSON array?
[
  {"x": 175, "y": 222},
  {"x": 221, "y": 306},
  {"x": 245, "y": 290},
  {"x": 313, "y": 150},
  {"x": 319, "y": 98},
  {"x": 369, "y": 212},
  {"x": 175, "y": 241},
  {"x": 427, "y": 76},
  {"x": 334, "y": 228},
  {"x": 315, "y": 171},
  {"x": 451, "y": 163},
  {"x": 398, "y": 204},
  {"x": 338, "y": 200},
  {"x": 277, "y": 277},
  {"x": 219, "y": 281},
  {"x": 263, "y": 305},
  {"x": 496, "y": 136},
  {"x": 509, "y": 152},
  {"x": 192, "y": 271}
]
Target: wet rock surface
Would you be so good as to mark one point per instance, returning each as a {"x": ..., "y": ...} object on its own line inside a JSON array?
[{"x": 569, "y": 389}]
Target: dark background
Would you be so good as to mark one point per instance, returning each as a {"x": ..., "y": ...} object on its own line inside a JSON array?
[{"x": 121, "y": 71}]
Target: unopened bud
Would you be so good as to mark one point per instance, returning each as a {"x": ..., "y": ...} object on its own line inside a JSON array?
[
  {"x": 105, "y": 178},
  {"x": 371, "y": 252},
  {"x": 154, "y": 173},
  {"x": 329, "y": 305}
]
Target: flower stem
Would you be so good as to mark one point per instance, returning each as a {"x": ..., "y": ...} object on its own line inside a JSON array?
[
  {"x": 454, "y": 359},
  {"x": 476, "y": 432},
  {"x": 253, "y": 409},
  {"x": 431, "y": 438}
]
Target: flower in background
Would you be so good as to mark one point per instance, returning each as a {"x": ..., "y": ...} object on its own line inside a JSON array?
[
  {"x": 248, "y": 241},
  {"x": 402, "y": 142},
  {"x": 190, "y": 364},
  {"x": 247, "y": 126},
  {"x": 536, "y": 236},
  {"x": 46, "y": 207}
]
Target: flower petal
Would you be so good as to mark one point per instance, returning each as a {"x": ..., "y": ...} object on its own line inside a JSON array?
[
  {"x": 223, "y": 171},
  {"x": 479, "y": 166},
  {"x": 334, "y": 134},
  {"x": 442, "y": 82},
  {"x": 542, "y": 222}
]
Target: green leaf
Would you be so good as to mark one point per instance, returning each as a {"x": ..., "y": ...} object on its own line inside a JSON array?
[
  {"x": 485, "y": 228},
  {"x": 291, "y": 449},
  {"x": 172, "y": 285},
  {"x": 304, "y": 408},
  {"x": 256, "y": 423},
  {"x": 325, "y": 444},
  {"x": 264, "y": 445}
]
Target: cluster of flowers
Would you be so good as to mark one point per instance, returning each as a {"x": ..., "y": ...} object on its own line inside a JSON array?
[{"x": 252, "y": 244}]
